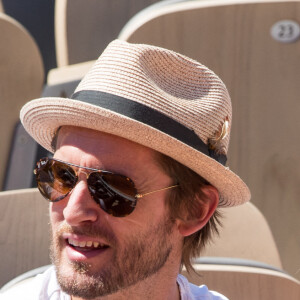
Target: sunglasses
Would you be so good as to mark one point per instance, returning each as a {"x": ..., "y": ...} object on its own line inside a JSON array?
[{"x": 115, "y": 193}]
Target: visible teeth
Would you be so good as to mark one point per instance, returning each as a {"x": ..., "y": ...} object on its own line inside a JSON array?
[
  {"x": 89, "y": 244},
  {"x": 73, "y": 243},
  {"x": 83, "y": 244}
]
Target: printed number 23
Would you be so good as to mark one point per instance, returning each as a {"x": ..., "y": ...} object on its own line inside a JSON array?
[{"x": 286, "y": 31}]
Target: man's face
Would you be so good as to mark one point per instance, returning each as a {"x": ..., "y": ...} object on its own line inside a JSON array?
[{"x": 95, "y": 253}]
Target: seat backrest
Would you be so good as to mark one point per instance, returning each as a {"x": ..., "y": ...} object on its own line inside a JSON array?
[
  {"x": 246, "y": 283},
  {"x": 69, "y": 73},
  {"x": 245, "y": 234},
  {"x": 24, "y": 234},
  {"x": 83, "y": 29},
  {"x": 21, "y": 79},
  {"x": 234, "y": 39}
]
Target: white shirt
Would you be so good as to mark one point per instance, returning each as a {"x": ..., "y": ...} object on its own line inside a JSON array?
[
  {"x": 45, "y": 287},
  {"x": 189, "y": 291}
]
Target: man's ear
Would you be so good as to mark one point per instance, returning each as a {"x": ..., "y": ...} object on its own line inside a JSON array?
[{"x": 190, "y": 225}]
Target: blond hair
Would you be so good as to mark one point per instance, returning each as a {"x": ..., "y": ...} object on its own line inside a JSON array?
[{"x": 187, "y": 198}]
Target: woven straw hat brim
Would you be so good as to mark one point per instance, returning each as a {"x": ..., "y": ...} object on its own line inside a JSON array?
[{"x": 42, "y": 117}]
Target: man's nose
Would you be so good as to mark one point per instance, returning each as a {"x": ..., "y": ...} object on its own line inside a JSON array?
[{"x": 80, "y": 207}]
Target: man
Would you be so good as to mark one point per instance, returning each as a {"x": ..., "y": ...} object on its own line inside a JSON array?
[{"x": 137, "y": 175}]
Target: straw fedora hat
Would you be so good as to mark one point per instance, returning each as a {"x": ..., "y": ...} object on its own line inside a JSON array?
[{"x": 157, "y": 98}]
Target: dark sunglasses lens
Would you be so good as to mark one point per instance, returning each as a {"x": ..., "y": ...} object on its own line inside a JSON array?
[
  {"x": 55, "y": 179},
  {"x": 114, "y": 193}
]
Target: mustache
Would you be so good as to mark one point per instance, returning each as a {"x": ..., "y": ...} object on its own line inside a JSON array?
[{"x": 88, "y": 230}]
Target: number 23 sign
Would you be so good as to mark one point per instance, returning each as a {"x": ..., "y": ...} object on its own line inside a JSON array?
[{"x": 285, "y": 31}]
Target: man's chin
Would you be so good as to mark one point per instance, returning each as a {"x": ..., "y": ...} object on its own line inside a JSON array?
[{"x": 78, "y": 280}]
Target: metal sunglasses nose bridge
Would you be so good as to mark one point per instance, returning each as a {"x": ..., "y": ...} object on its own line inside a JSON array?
[{"x": 87, "y": 172}]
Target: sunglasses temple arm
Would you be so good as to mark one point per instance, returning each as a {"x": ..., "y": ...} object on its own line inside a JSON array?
[{"x": 138, "y": 196}]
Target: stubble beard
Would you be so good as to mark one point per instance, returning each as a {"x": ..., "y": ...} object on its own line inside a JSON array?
[{"x": 142, "y": 256}]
